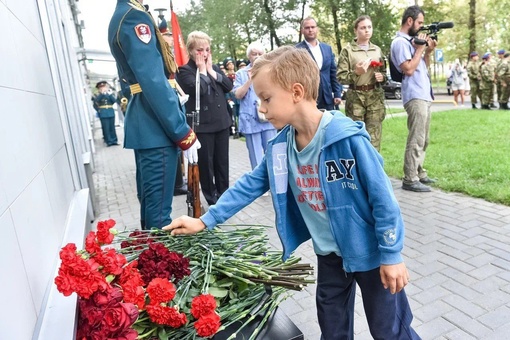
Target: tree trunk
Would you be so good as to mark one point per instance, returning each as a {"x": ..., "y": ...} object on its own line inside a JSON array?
[
  {"x": 472, "y": 25},
  {"x": 302, "y": 18},
  {"x": 270, "y": 24},
  {"x": 336, "y": 27}
]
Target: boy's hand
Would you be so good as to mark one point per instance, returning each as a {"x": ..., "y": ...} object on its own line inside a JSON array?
[
  {"x": 185, "y": 225},
  {"x": 395, "y": 277}
]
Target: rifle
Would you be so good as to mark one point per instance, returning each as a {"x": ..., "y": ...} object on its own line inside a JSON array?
[{"x": 193, "y": 198}]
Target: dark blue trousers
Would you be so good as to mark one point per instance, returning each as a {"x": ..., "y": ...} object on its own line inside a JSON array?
[
  {"x": 389, "y": 315},
  {"x": 109, "y": 133},
  {"x": 155, "y": 185}
]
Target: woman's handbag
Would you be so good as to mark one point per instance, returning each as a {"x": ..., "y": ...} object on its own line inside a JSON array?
[{"x": 261, "y": 117}]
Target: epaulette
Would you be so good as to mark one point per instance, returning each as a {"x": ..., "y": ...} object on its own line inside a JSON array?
[{"x": 136, "y": 5}]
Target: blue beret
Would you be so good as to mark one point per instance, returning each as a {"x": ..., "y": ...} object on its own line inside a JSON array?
[
  {"x": 501, "y": 52},
  {"x": 486, "y": 55},
  {"x": 473, "y": 54}
]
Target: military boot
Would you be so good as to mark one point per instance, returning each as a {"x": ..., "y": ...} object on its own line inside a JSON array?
[{"x": 473, "y": 106}]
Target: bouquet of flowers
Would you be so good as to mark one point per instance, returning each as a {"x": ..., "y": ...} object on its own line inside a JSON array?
[{"x": 151, "y": 285}]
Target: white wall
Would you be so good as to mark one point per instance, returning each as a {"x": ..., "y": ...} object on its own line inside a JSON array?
[{"x": 44, "y": 132}]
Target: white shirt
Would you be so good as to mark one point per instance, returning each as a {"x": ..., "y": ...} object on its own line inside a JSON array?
[{"x": 316, "y": 52}]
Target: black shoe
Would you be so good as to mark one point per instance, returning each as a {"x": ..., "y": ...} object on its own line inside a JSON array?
[
  {"x": 181, "y": 190},
  {"x": 427, "y": 180},
  {"x": 416, "y": 187},
  {"x": 493, "y": 106},
  {"x": 473, "y": 106}
]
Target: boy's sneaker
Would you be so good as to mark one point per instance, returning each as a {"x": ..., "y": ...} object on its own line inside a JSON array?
[
  {"x": 427, "y": 180},
  {"x": 416, "y": 187}
]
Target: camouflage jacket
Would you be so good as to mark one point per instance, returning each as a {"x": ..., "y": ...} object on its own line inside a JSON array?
[
  {"x": 473, "y": 70},
  {"x": 353, "y": 54}
]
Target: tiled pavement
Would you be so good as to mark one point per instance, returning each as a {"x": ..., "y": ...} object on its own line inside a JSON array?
[{"x": 457, "y": 249}]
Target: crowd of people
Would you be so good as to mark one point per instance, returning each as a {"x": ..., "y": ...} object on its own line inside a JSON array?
[
  {"x": 322, "y": 168},
  {"x": 485, "y": 75}
]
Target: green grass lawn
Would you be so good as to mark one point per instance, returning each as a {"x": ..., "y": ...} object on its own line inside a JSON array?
[{"x": 469, "y": 152}]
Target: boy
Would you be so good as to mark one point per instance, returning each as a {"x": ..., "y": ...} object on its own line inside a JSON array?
[{"x": 328, "y": 184}]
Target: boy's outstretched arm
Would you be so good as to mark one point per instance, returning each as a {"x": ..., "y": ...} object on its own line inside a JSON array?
[
  {"x": 185, "y": 225},
  {"x": 395, "y": 277}
]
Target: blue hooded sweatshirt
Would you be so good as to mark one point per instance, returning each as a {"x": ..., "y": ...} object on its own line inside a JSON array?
[{"x": 364, "y": 214}]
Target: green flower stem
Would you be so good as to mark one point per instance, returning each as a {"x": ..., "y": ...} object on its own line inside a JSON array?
[{"x": 234, "y": 276}]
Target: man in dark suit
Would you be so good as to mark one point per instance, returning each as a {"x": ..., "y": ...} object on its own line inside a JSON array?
[{"x": 330, "y": 90}]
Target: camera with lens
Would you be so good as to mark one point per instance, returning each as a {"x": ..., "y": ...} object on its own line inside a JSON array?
[{"x": 432, "y": 31}]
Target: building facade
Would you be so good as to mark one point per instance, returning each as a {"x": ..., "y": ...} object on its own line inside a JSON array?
[{"x": 46, "y": 161}]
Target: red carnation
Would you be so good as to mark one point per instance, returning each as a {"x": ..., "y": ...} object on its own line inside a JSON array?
[
  {"x": 104, "y": 236},
  {"x": 134, "y": 294},
  {"x": 137, "y": 239},
  {"x": 202, "y": 305},
  {"x": 68, "y": 253},
  {"x": 160, "y": 290},
  {"x": 131, "y": 274},
  {"x": 111, "y": 261},
  {"x": 158, "y": 261},
  {"x": 375, "y": 64},
  {"x": 91, "y": 245},
  {"x": 175, "y": 318},
  {"x": 208, "y": 325}
]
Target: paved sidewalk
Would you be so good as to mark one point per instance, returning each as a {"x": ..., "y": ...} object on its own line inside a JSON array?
[{"x": 457, "y": 249}]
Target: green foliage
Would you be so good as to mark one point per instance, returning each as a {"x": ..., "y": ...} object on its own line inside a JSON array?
[
  {"x": 381, "y": 13},
  {"x": 468, "y": 152},
  {"x": 233, "y": 24}
]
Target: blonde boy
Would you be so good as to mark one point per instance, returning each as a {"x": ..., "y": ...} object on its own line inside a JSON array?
[{"x": 327, "y": 183}]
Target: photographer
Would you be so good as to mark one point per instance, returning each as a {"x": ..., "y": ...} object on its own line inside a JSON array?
[{"x": 412, "y": 60}]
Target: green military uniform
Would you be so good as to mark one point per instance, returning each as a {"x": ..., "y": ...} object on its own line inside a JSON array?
[
  {"x": 473, "y": 70},
  {"x": 504, "y": 82},
  {"x": 499, "y": 87},
  {"x": 365, "y": 97},
  {"x": 487, "y": 82}
]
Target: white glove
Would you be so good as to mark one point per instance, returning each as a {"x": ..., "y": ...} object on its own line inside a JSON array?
[{"x": 191, "y": 154}]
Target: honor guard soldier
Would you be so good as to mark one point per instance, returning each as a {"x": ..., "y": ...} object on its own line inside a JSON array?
[
  {"x": 473, "y": 70},
  {"x": 155, "y": 127},
  {"x": 487, "y": 82},
  {"x": 497, "y": 71},
  {"x": 503, "y": 81},
  {"x": 104, "y": 106}
]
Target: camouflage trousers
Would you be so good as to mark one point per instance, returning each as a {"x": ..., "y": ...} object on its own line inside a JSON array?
[
  {"x": 505, "y": 93},
  {"x": 475, "y": 90},
  {"x": 487, "y": 90},
  {"x": 368, "y": 107}
]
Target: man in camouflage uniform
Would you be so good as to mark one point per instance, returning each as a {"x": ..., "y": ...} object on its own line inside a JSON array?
[
  {"x": 487, "y": 82},
  {"x": 504, "y": 81},
  {"x": 473, "y": 70},
  {"x": 499, "y": 87}
]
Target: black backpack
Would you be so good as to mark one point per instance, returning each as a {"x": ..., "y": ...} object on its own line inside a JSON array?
[{"x": 396, "y": 75}]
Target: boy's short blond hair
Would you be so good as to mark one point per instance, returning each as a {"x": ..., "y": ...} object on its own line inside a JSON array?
[
  {"x": 195, "y": 38},
  {"x": 289, "y": 65}
]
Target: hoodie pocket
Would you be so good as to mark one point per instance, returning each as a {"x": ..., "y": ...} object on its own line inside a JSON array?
[{"x": 355, "y": 237}]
